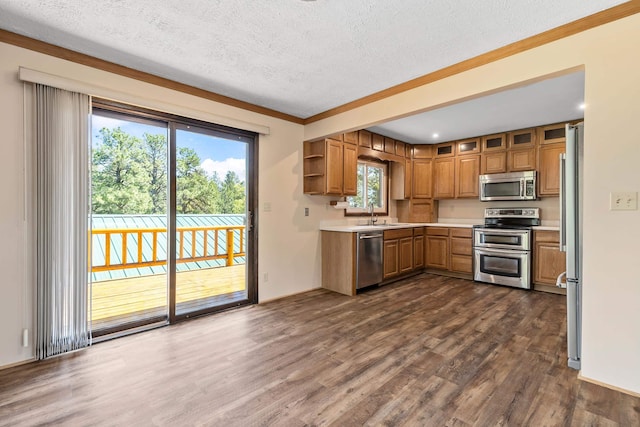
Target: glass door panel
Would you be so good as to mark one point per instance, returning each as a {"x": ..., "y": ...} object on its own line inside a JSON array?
[
  {"x": 128, "y": 269},
  {"x": 210, "y": 214}
]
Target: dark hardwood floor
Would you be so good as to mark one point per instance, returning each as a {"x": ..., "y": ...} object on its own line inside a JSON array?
[{"x": 426, "y": 351}]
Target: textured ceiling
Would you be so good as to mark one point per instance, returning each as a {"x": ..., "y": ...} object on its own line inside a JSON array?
[{"x": 297, "y": 57}]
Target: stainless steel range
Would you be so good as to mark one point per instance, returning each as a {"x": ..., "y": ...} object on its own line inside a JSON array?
[{"x": 502, "y": 246}]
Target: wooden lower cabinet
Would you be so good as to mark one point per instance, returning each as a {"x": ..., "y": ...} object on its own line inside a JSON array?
[
  {"x": 461, "y": 250},
  {"x": 418, "y": 250},
  {"x": 548, "y": 261},
  {"x": 391, "y": 257},
  {"x": 405, "y": 247},
  {"x": 437, "y": 248}
]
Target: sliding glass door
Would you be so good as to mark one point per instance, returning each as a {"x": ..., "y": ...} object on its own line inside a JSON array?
[
  {"x": 211, "y": 215},
  {"x": 171, "y": 208}
]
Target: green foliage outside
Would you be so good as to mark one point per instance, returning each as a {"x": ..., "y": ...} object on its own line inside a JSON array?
[
  {"x": 129, "y": 176},
  {"x": 369, "y": 189}
]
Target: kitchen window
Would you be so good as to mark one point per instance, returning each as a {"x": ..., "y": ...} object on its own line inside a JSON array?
[{"x": 372, "y": 189}]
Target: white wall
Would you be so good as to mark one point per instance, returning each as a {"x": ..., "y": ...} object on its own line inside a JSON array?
[
  {"x": 610, "y": 55},
  {"x": 289, "y": 244}
]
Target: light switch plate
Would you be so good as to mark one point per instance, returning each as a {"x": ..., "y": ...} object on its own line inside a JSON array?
[{"x": 624, "y": 201}]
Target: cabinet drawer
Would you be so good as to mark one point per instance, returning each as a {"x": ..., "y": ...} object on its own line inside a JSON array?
[
  {"x": 461, "y": 246},
  {"x": 461, "y": 264},
  {"x": 437, "y": 231},
  {"x": 461, "y": 232},
  {"x": 546, "y": 236},
  {"x": 398, "y": 233},
  {"x": 418, "y": 231}
]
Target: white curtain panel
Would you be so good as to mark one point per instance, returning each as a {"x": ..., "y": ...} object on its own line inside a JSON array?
[{"x": 62, "y": 220}]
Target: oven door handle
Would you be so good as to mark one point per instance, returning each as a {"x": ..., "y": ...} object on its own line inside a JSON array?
[
  {"x": 514, "y": 231},
  {"x": 504, "y": 252}
]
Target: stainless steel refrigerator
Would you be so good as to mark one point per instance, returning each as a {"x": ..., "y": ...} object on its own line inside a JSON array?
[{"x": 571, "y": 237}]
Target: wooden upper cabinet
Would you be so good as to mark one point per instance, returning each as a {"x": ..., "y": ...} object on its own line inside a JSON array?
[
  {"x": 350, "y": 170},
  {"x": 389, "y": 145},
  {"x": 408, "y": 178},
  {"x": 443, "y": 178},
  {"x": 552, "y": 134},
  {"x": 364, "y": 138},
  {"x": 468, "y": 170},
  {"x": 377, "y": 142},
  {"x": 521, "y": 160},
  {"x": 497, "y": 142},
  {"x": 493, "y": 162},
  {"x": 422, "y": 151},
  {"x": 468, "y": 146},
  {"x": 408, "y": 151},
  {"x": 421, "y": 178},
  {"x": 447, "y": 149},
  {"x": 335, "y": 166},
  {"x": 524, "y": 138},
  {"x": 400, "y": 148},
  {"x": 350, "y": 137},
  {"x": 549, "y": 169}
]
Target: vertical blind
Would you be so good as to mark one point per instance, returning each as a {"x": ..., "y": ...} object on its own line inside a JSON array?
[{"x": 62, "y": 208}]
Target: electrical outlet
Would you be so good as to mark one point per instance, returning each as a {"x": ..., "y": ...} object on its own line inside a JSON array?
[
  {"x": 624, "y": 201},
  {"x": 267, "y": 206},
  {"x": 306, "y": 211},
  {"x": 265, "y": 277}
]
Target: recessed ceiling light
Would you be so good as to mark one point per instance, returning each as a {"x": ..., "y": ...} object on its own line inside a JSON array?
[
  {"x": 582, "y": 106},
  {"x": 435, "y": 135}
]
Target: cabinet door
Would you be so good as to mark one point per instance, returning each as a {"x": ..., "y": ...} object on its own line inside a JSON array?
[
  {"x": 377, "y": 142},
  {"x": 552, "y": 134},
  {"x": 444, "y": 178},
  {"x": 422, "y": 151},
  {"x": 350, "y": 170},
  {"x": 350, "y": 137},
  {"x": 549, "y": 262},
  {"x": 391, "y": 259},
  {"x": 497, "y": 142},
  {"x": 521, "y": 160},
  {"x": 549, "y": 171},
  {"x": 446, "y": 149},
  {"x": 468, "y": 146},
  {"x": 406, "y": 254},
  {"x": 334, "y": 167},
  {"x": 418, "y": 252},
  {"x": 389, "y": 145},
  {"x": 521, "y": 139},
  {"x": 494, "y": 162},
  {"x": 437, "y": 252},
  {"x": 364, "y": 138},
  {"x": 468, "y": 170},
  {"x": 422, "y": 178},
  {"x": 408, "y": 172}
]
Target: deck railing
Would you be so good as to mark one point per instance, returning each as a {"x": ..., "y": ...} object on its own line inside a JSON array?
[{"x": 194, "y": 244}]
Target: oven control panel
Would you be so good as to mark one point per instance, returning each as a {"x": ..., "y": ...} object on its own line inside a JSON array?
[{"x": 512, "y": 213}]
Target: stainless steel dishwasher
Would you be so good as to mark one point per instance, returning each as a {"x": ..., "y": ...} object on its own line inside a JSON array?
[{"x": 369, "y": 255}]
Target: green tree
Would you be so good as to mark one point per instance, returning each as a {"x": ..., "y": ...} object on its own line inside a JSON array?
[
  {"x": 194, "y": 193},
  {"x": 156, "y": 167},
  {"x": 119, "y": 180},
  {"x": 232, "y": 195}
]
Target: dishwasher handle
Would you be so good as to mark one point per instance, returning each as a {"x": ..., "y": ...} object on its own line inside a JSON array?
[{"x": 370, "y": 236}]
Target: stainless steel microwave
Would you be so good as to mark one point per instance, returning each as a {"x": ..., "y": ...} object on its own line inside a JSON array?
[{"x": 508, "y": 186}]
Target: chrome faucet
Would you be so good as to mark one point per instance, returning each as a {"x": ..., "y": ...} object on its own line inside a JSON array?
[{"x": 373, "y": 218}]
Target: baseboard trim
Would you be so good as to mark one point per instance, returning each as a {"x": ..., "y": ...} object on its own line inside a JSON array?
[
  {"x": 13, "y": 365},
  {"x": 288, "y": 295},
  {"x": 605, "y": 385}
]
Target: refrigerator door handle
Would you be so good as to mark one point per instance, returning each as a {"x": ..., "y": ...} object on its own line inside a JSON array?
[
  {"x": 563, "y": 204},
  {"x": 559, "y": 282}
]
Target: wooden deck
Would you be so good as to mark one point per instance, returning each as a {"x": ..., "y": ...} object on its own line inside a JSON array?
[{"x": 128, "y": 300}]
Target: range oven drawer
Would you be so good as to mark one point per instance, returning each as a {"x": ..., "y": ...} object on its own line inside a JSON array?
[
  {"x": 514, "y": 239},
  {"x": 503, "y": 267}
]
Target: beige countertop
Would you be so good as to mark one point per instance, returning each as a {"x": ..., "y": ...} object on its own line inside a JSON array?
[{"x": 389, "y": 226}]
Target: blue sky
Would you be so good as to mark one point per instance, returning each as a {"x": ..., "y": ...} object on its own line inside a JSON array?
[{"x": 217, "y": 154}]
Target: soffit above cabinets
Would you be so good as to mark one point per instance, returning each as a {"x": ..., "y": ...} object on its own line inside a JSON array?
[
  {"x": 549, "y": 101},
  {"x": 296, "y": 57}
]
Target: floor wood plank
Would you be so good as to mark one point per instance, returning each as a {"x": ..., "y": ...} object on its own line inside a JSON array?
[{"x": 424, "y": 351}]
